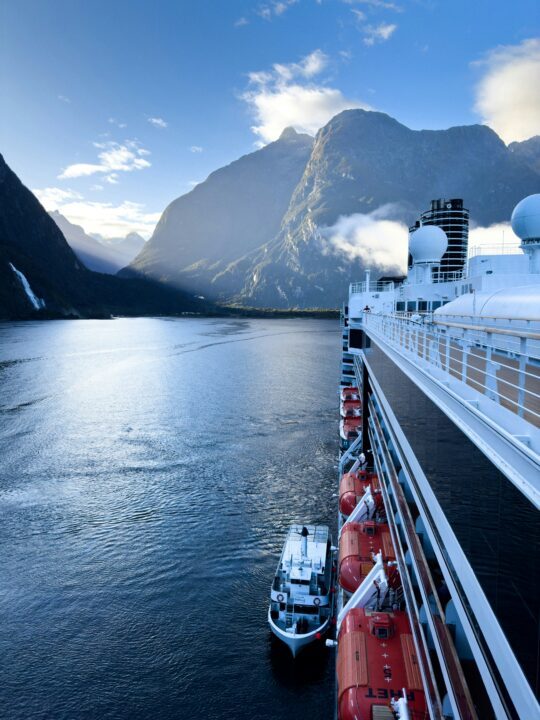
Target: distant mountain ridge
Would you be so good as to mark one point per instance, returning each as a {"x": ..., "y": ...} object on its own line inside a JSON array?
[
  {"x": 40, "y": 275},
  {"x": 105, "y": 256},
  {"x": 361, "y": 160}
]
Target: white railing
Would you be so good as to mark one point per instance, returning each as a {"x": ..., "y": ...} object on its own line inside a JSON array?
[
  {"x": 373, "y": 286},
  {"x": 501, "y": 364},
  {"x": 509, "y": 248}
]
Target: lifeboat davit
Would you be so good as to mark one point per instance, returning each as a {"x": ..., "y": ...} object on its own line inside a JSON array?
[
  {"x": 376, "y": 660},
  {"x": 350, "y": 408},
  {"x": 352, "y": 487},
  {"x": 358, "y": 544},
  {"x": 350, "y": 393}
]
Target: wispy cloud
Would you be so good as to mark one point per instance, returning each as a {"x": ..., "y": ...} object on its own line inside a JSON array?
[
  {"x": 287, "y": 95},
  {"x": 114, "y": 121},
  {"x": 64, "y": 99},
  {"x": 241, "y": 22},
  {"x": 158, "y": 122},
  {"x": 196, "y": 149},
  {"x": 103, "y": 218},
  {"x": 113, "y": 158},
  {"x": 378, "y": 33},
  {"x": 274, "y": 9},
  {"x": 508, "y": 94},
  {"x": 52, "y": 197},
  {"x": 376, "y": 4}
]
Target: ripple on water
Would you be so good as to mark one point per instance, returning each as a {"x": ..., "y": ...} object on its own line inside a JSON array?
[{"x": 144, "y": 506}]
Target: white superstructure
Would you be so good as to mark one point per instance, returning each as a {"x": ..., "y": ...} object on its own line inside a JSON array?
[{"x": 448, "y": 367}]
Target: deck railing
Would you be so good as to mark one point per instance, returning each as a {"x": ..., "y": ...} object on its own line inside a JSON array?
[{"x": 500, "y": 363}]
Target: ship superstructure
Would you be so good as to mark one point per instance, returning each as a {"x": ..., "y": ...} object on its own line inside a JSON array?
[{"x": 447, "y": 371}]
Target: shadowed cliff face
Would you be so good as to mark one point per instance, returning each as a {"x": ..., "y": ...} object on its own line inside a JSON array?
[
  {"x": 36, "y": 260},
  {"x": 252, "y": 233},
  {"x": 236, "y": 210}
]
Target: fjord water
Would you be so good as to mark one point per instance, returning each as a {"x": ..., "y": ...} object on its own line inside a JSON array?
[{"x": 149, "y": 470}]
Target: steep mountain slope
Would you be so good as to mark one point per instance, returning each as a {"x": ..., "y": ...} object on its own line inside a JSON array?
[
  {"x": 40, "y": 275},
  {"x": 237, "y": 209},
  {"x": 99, "y": 255},
  {"x": 361, "y": 161},
  {"x": 529, "y": 151}
]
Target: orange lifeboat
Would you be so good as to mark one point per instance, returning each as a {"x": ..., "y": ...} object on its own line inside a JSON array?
[
  {"x": 350, "y": 393},
  {"x": 352, "y": 487},
  {"x": 376, "y": 660},
  {"x": 358, "y": 544},
  {"x": 350, "y": 408}
]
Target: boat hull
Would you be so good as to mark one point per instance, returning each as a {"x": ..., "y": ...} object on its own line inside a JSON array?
[{"x": 297, "y": 641}]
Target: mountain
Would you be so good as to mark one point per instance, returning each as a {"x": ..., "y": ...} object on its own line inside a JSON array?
[
  {"x": 105, "y": 256},
  {"x": 253, "y": 232},
  {"x": 234, "y": 211},
  {"x": 362, "y": 161},
  {"x": 529, "y": 151},
  {"x": 40, "y": 275}
]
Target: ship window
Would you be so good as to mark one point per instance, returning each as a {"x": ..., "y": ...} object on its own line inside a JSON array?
[
  {"x": 436, "y": 304},
  {"x": 411, "y": 305},
  {"x": 422, "y": 305},
  {"x": 400, "y": 306},
  {"x": 381, "y": 633}
]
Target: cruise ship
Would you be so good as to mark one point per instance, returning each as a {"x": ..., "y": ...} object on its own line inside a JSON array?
[{"x": 440, "y": 486}]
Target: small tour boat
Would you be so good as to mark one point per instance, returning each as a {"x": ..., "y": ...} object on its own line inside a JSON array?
[{"x": 301, "y": 597}]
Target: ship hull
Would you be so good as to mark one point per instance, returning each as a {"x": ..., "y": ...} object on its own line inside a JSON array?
[{"x": 295, "y": 642}]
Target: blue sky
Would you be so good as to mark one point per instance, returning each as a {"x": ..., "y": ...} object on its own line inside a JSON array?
[{"x": 112, "y": 109}]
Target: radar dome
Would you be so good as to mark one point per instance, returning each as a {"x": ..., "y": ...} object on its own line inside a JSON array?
[
  {"x": 526, "y": 218},
  {"x": 428, "y": 244}
]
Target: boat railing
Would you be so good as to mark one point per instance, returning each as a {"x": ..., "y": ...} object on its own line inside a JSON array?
[
  {"x": 501, "y": 363},
  {"x": 373, "y": 286}
]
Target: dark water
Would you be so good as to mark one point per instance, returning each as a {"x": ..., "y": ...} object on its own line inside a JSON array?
[{"x": 149, "y": 470}]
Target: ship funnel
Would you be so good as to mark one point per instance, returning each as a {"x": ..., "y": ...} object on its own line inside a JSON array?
[{"x": 303, "y": 547}]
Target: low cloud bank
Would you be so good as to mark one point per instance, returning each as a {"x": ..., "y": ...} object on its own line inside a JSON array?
[
  {"x": 380, "y": 239},
  {"x": 377, "y": 239}
]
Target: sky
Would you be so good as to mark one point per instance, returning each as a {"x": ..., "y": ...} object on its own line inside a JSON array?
[{"x": 110, "y": 110}]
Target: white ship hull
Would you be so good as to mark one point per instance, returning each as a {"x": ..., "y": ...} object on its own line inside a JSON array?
[{"x": 296, "y": 641}]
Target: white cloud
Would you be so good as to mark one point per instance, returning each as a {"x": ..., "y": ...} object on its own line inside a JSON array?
[
  {"x": 114, "y": 121},
  {"x": 274, "y": 9},
  {"x": 241, "y": 22},
  {"x": 65, "y": 99},
  {"x": 373, "y": 239},
  {"x": 52, "y": 197},
  {"x": 287, "y": 96},
  {"x": 377, "y": 4},
  {"x": 508, "y": 95},
  {"x": 100, "y": 218},
  {"x": 378, "y": 33},
  {"x": 114, "y": 157},
  {"x": 493, "y": 237},
  {"x": 196, "y": 149},
  {"x": 158, "y": 122}
]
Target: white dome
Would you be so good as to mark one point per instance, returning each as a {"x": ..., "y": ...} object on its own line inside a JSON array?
[
  {"x": 526, "y": 218},
  {"x": 428, "y": 244}
]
